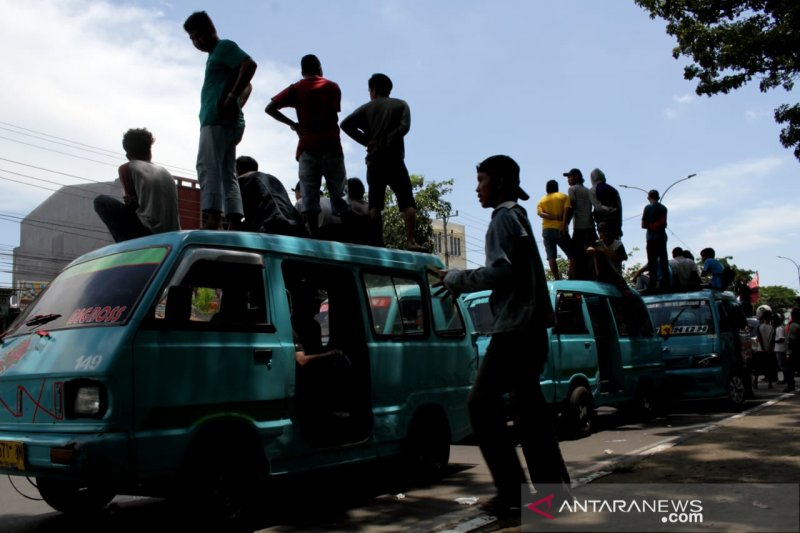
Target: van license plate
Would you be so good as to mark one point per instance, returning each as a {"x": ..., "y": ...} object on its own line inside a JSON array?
[{"x": 12, "y": 455}]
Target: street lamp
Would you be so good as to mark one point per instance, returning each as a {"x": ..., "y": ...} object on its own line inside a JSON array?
[
  {"x": 794, "y": 263},
  {"x": 665, "y": 191}
]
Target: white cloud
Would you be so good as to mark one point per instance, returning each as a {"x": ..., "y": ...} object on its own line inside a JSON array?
[
  {"x": 669, "y": 113},
  {"x": 751, "y": 116},
  {"x": 685, "y": 99}
]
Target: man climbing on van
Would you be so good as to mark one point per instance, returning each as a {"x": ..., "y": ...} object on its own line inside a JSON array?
[{"x": 517, "y": 352}]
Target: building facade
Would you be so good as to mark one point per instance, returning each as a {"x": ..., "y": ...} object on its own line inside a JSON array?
[{"x": 451, "y": 247}]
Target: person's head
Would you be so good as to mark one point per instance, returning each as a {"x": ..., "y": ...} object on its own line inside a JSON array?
[
  {"x": 688, "y": 255},
  {"x": 201, "y": 31},
  {"x": 597, "y": 176},
  {"x": 245, "y": 164},
  {"x": 137, "y": 144},
  {"x": 766, "y": 317},
  {"x": 310, "y": 66},
  {"x": 355, "y": 189},
  {"x": 379, "y": 85},
  {"x": 677, "y": 252},
  {"x": 551, "y": 187},
  {"x": 653, "y": 196},
  {"x": 574, "y": 176},
  {"x": 498, "y": 181},
  {"x": 297, "y": 192},
  {"x": 707, "y": 253}
]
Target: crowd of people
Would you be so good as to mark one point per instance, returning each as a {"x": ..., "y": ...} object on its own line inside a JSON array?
[{"x": 235, "y": 195}]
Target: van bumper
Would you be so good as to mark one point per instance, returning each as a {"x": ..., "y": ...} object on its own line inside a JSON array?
[
  {"x": 98, "y": 457},
  {"x": 696, "y": 383}
]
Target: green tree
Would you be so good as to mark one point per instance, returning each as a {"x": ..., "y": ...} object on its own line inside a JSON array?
[
  {"x": 733, "y": 41},
  {"x": 430, "y": 205},
  {"x": 777, "y": 297}
]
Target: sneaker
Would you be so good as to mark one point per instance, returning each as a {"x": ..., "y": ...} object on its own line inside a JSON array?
[{"x": 501, "y": 507}]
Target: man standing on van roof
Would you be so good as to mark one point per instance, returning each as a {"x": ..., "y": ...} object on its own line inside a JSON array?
[
  {"x": 517, "y": 351},
  {"x": 552, "y": 208},
  {"x": 226, "y": 88},
  {"x": 380, "y": 125},
  {"x": 654, "y": 220},
  {"x": 151, "y": 199},
  {"x": 319, "y": 149}
]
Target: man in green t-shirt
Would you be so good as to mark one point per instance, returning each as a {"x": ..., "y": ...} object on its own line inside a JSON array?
[{"x": 225, "y": 90}]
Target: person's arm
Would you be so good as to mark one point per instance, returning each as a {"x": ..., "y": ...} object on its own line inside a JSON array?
[
  {"x": 622, "y": 254},
  {"x": 273, "y": 110},
  {"x": 542, "y": 213},
  {"x": 128, "y": 189},
  {"x": 403, "y": 127},
  {"x": 353, "y": 126},
  {"x": 247, "y": 68}
]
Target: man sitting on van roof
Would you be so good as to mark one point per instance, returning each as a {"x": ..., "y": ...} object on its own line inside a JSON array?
[{"x": 267, "y": 207}]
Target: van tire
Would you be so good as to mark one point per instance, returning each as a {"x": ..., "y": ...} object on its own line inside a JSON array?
[
  {"x": 72, "y": 497},
  {"x": 426, "y": 450},
  {"x": 736, "y": 390},
  {"x": 222, "y": 491},
  {"x": 580, "y": 412}
]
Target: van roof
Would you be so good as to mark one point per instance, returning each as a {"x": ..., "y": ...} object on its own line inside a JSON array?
[
  {"x": 275, "y": 243},
  {"x": 593, "y": 287},
  {"x": 703, "y": 294}
]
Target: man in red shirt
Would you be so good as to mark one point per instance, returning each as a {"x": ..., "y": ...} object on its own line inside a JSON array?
[{"x": 319, "y": 150}]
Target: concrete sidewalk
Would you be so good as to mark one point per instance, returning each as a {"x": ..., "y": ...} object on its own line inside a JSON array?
[{"x": 761, "y": 445}]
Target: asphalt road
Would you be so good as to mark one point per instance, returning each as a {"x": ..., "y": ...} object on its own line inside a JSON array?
[{"x": 375, "y": 497}]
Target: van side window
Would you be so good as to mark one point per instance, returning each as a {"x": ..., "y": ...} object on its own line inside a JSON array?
[
  {"x": 632, "y": 318},
  {"x": 447, "y": 320},
  {"x": 395, "y": 305},
  {"x": 218, "y": 293},
  {"x": 569, "y": 313}
]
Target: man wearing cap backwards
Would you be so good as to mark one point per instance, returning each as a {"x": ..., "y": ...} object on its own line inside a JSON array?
[
  {"x": 518, "y": 348},
  {"x": 654, "y": 220}
]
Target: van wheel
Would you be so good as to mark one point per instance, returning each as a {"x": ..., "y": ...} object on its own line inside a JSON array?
[
  {"x": 72, "y": 497},
  {"x": 223, "y": 478},
  {"x": 736, "y": 390},
  {"x": 426, "y": 450},
  {"x": 580, "y": 412}
]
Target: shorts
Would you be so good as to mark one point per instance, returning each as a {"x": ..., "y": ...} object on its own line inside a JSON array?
[
  {"x": 391, "y": 173},
  {"x": 552, "y": 238}
]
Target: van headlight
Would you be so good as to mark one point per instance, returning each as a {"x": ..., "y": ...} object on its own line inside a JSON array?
[
  {"x": 85, "y": 398},
  {"x": 707, "y": 360}
]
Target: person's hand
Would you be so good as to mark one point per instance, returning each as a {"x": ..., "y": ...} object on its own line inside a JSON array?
[{"x": 295, "y": 127}]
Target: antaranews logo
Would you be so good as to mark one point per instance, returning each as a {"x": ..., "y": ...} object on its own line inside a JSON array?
[{"x": 671, "y": 511}]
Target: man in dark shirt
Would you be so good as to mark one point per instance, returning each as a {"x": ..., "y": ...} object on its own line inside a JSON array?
[
  {"x": 267, "y": 207},
  {"x": 654, "y": 220},
  {"x": 608, "y": 197},
  {"x": 380, "y": 125}
]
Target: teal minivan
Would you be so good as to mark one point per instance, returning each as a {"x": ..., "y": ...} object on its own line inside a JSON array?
[
  {"x": 166, "y": 366},
  {"x": 706, "y": 344},
  {"x": 603, "y": 351}
]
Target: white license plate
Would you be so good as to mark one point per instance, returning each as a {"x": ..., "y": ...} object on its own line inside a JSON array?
[{"x": 12, "y": 455}]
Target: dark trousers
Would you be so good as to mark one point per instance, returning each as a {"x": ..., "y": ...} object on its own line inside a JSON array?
[
  {"x": 657, "y": 258},
  {"x": 584, "y": 265},
  {"x": 512, "y": 365},
  {"x": 123, "y": 223}
]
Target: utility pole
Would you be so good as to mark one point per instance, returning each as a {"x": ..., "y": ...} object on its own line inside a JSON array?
[{"x": 445, "y": 218}]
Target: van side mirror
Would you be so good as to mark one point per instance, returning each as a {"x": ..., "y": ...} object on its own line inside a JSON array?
[{"x": 179, "y": 304}]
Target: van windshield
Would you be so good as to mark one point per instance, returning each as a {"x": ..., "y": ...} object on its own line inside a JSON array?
[
  {"x": 682, "y": 317},
  {"x": 102, "y": 291}
]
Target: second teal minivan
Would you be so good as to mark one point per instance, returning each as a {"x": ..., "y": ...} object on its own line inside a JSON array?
[{"x": 603, "y": 351}]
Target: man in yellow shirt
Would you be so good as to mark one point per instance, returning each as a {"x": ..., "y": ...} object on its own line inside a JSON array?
[{"x": 552, "y": 208}]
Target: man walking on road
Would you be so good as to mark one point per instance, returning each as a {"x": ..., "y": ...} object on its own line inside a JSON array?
[{"x": 521, "y": 307}]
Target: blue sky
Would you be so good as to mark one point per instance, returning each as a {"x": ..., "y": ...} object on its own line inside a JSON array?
[{"x": 556, "y": 85}]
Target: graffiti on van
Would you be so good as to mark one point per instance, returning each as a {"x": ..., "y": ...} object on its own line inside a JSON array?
[
  {"x": 23, "y": 396},
  {"x": 14, "y": 355},
  {"x": 88, "y": 315}
]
